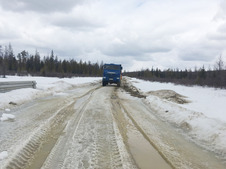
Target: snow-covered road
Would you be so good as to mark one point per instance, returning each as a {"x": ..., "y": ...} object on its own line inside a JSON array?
[{"x": 90, "y": 126}]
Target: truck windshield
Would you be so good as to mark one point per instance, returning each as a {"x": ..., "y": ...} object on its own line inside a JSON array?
[{"x": 112, "y": 67}]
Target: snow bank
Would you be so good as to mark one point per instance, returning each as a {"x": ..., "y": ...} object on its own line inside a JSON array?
[
  {"x": 209, "y": 101},
  {"x": 202, "y": 120},
  {"x": 210, "y": 133},
  {"x": 45, "y": 86}
]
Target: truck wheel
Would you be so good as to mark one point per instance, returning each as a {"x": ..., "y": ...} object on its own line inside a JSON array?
[
  {"x": 103, "y": 83},
  {"x": 118, "y": 84}
]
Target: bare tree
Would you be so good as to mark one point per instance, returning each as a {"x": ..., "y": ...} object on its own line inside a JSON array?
[{"x": 219, "y": 65}]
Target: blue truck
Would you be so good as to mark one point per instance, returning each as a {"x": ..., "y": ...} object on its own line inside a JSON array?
[{"x": 112, "y": 73}]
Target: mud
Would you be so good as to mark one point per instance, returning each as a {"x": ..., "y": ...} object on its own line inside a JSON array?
[
  {"x": 128, "y": 87},
  {"x": 174, "y": 147},
  {"x": 143, "y": 153},
  {"x": 169, "y": 95},
  {"x": 57, "y": 125},
  {"x": 90, "y": 139}
]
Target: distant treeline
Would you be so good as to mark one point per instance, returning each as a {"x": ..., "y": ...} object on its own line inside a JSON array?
[
  {"x": 25, "y": 63},
  {"x": 29, "y": 64},
  {"x": 201, "y": 76}
]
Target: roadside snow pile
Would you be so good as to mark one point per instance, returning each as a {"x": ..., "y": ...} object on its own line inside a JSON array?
[
  {"x": 6, "y": 117},
  {"x": 3, "y": 155},
  {"x": 201, "y": 119},
  {"x": 170, "y": 95},
  {"x": 209, "y": 101},
  {"x": 17, "y": 96},
  {"x": 45, "y": 86}
]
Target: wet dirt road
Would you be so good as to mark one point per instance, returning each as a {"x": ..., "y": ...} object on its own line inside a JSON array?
[{"x": 96, "y": 127}]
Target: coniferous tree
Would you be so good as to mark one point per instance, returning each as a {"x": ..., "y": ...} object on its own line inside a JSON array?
[{"x": 2, "y": 62}]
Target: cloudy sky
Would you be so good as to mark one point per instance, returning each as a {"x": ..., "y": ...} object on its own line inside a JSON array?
[{"x": 136, "y": 33}]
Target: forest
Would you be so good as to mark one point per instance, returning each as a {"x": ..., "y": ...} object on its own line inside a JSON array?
[
  {"x": 202, "y": 77},
  {"x": 29, "y": 64},
  {"x": 32, "y": 64}
]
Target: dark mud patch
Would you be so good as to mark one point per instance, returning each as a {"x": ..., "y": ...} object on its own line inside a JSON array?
[
  {"x": 131, "y": 89},
  {"x": 170, "y": 95}
]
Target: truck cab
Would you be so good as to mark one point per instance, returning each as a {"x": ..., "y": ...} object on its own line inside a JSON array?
[{"x": 112, "y": 74}]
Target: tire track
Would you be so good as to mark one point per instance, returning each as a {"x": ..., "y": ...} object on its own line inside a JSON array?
[
  {"x": 173, "y": 144},
  {"x": 145, "y": 136},
  {"x": 81, "y": 134},
  {"x": 37, "y": 147},
  {"x": 90, "y": 139},
  {"x": 27, "y": 153},
  {"x": 56, "y": 158},
  {"x": 127, "y": 124}
]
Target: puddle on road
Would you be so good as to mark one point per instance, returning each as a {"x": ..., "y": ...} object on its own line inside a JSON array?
[
  {"x": 141, "y": 150},
  {"x": 144, "y": 154}
]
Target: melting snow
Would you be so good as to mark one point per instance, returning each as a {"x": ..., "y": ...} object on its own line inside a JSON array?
[
  {"x": 3, "y": 155},
  {"x": 6, "y": 117},
  {"x": 202, "y": 119},
  {"x": 45, "y": 86}
]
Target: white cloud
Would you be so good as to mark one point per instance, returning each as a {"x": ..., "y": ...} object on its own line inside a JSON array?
[
  {"x": 162, "y": 33},
  {"x": 39, "y": 6}
]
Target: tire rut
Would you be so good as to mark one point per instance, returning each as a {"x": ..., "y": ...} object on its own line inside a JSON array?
[
  {"x": 44, "y": 134},
  {"x": 60, "y": 154},
  {"x": 126, "y": 122},
  {"x": 90, "y": 137},
  {"x": 34, "y": 151}
]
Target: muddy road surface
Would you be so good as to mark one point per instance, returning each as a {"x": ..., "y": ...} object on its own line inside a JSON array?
[{"x": 92, "y": 126}]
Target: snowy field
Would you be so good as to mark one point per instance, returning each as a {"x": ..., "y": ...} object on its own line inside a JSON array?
[{"x": 202, "y": 119}]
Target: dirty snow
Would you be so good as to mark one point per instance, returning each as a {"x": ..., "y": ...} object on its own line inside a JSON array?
[
  {"x": 209, "y": 101},
  {"x": 45, "y": 86},
  {"x": 202, "y": 119}
]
